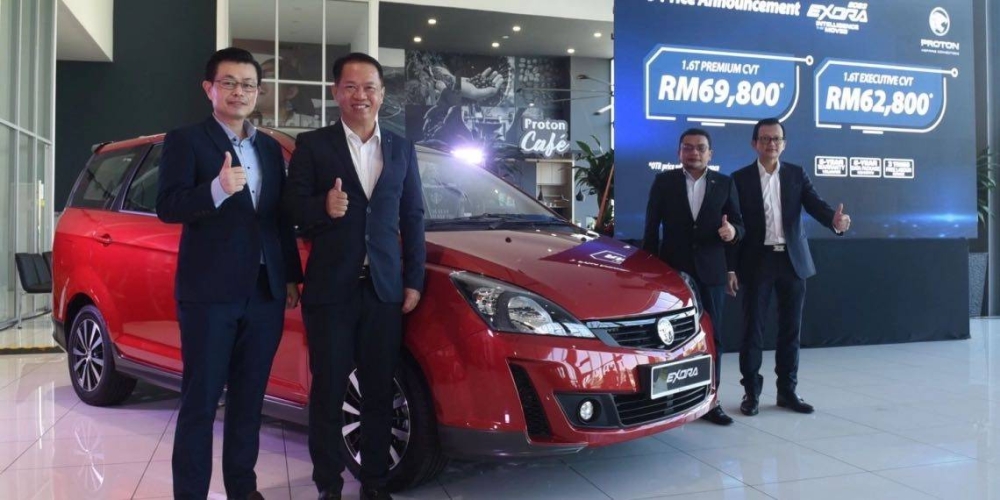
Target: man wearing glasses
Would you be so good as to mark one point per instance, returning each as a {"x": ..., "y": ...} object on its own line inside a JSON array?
[
  {"x": 774, "y": 256},
  {"x": 237, "y": 270},
  {"x": 699, "y": 213},
  {"x": 356, "y": 190}
]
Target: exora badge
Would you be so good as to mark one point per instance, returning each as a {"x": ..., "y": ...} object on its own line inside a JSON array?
[{"x": 666, "y": 331}]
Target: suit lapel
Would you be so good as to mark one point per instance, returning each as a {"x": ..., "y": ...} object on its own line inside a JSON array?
[
  {"x": 387, "y": 159},
  {"x": 221, "y": 140},
  {"x": 338, "y": 140},
  {"x": 788, "y": 186},
  {"x": 711, "y": 190},
  {"x": 755, "y": 193},
  {"x": 681, "y": 193},
  {"x": 269, "y": 169}
]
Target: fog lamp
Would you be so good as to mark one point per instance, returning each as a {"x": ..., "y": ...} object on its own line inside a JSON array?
[{"x": 587, "y": 410}]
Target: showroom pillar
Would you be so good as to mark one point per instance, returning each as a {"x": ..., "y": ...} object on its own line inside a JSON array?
[{"x": 992, "y": 52}]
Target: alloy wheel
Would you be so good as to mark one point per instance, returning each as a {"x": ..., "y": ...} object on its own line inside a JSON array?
[{"x": 352, "y": 421}]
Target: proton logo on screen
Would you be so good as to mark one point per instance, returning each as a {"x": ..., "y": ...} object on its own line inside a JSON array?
[{"x": 940, "y": 21}]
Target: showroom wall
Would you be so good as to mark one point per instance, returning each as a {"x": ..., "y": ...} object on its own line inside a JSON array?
[{"x": 153, "y": 85}]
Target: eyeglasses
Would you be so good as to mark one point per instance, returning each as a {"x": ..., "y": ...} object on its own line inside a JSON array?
[
  {"x": 248, "y": 87},
  {"x": 770, "y": 140},
  {"x": 688, "y": 148},
  {"x": 350, "y": 89}
]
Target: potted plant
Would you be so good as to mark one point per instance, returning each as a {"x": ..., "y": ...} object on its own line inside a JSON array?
[{"x": 597, "y": 177}]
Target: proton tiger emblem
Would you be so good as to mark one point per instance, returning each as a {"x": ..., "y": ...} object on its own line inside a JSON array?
[{"x": 666, "y": 331}]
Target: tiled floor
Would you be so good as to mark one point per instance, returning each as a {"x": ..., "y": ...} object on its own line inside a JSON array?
[{"x": 908, "y": 421}]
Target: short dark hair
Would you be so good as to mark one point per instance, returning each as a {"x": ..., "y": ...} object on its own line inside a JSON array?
[
  {"x": 695, "y": 131},
  {"x": 768, "y": 121},
  {"x": 358, "y": 57},
  {"x": 231, "y": 54}
]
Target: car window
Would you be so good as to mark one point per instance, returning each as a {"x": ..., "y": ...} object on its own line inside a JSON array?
[
  {"x": 141, "y": 194},
  {"x": 454, "y": 189},
  {"x": 102, "y": 180}
]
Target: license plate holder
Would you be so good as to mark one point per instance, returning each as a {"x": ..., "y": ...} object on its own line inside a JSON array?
[{"x": 677, "y": 376}]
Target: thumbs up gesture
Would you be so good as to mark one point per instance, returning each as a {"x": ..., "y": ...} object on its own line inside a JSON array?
[
  {"x": 841, "y": 221},
  {"x": 727, "y": 232},
  {"x": 232, "y": 178},
  {"x": 336, "y": 200}
]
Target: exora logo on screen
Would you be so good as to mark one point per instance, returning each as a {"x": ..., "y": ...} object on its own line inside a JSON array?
[{"x": 837, "y": 19}]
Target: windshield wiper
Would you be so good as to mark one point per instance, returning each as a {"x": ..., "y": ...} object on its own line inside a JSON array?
[{"x": 496, "y": 221}]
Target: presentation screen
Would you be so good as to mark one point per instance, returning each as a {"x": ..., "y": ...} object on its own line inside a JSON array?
[{"x": 876, "y": 98}]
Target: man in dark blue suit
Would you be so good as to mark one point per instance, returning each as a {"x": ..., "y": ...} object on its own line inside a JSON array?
[
  {"x": 774, "y": 256},
  {"x": 355, "y": 189},
  {"x": 699, "y": 213},
  {"x": 237, "y": 269}
]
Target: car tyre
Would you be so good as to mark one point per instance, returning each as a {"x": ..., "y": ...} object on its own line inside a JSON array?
[
  {"x": 91, "y": 363},
  {"x": 416, "y": 455}
]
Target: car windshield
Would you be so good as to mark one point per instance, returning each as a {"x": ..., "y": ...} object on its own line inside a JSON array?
[{"x": 459, "y": 195}]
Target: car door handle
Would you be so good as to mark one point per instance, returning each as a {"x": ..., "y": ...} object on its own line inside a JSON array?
[{"x": 105, "y": 239}]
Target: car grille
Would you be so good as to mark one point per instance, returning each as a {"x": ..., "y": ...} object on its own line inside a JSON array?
[
  {"x": 641, "y": 333},
  {"x": 635, "y": 409},
  {"x": 534, "y": 414}
]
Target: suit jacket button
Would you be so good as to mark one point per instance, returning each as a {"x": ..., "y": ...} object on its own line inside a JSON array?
[
  {"x": 368, "y": 210},
  {"x": 366, "y": 237},
  {"x": 696, "y": 226}
]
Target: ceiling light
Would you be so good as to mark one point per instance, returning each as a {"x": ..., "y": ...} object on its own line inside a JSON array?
[
  {"x": 417, "y": 39},
  {"x": 516, "y": 28},
  {"x": 505, "y": 37},
  {"x": 496, "y": 44},
  {"x": 597, "y": 34},
  {"x": 432, "y": 21},
  {"x": 571, "y": 50}
]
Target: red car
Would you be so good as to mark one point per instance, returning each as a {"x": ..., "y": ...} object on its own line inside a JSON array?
[{"x": 534, "y": 337}]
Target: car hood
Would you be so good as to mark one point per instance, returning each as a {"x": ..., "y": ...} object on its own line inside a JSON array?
[{"x": 592, "y": 278}]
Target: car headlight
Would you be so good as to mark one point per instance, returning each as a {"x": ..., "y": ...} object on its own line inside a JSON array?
[
  {"x": 695, "y": 292},
  {"x": 507, "y": 308}
]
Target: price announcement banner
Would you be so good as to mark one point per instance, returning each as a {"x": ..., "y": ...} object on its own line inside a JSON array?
[{"x": 877, "y": 101}]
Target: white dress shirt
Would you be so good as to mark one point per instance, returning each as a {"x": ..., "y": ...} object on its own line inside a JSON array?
[
  {"x": 770, "y": 187},
  {"x": 695, "y": 192},
  {"x": 367, "y": 157}
]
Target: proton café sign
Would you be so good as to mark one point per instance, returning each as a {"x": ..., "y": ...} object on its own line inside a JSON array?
[{"x": 544, "y": 137}]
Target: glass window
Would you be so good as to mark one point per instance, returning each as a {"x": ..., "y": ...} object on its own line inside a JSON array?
[
  {"x": 298, "y": 53},
  {"x": 8, "y": 58},
  {"x": 100, "y": 183},
  {"x": 141, "y": 195},
  {"x": 28, "y": 44}
]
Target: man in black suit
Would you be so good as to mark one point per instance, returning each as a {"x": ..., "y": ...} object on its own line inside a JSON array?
[
  {"x": 237, "y": 269},
  {"x": 774, "y": 256},
  {"x": 700, "y": 216},
  {"x": 356, "y": 190}
]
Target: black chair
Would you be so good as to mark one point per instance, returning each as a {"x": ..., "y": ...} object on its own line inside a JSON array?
[
  {"x": 33, "y": 272},
  {"x": 48, "y": 261}
]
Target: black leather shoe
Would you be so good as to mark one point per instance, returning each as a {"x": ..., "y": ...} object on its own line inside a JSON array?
[
  {"x": 794, "y": 403},
  {"x": 374, "y": 493},
  {"x": 750, "y": 405},
  {"x": 329, "y": 495},
  {"x": 717, "y": 416}
]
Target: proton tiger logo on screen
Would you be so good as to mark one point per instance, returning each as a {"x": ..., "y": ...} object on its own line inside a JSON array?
[{"x": 939, "y": 21}]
